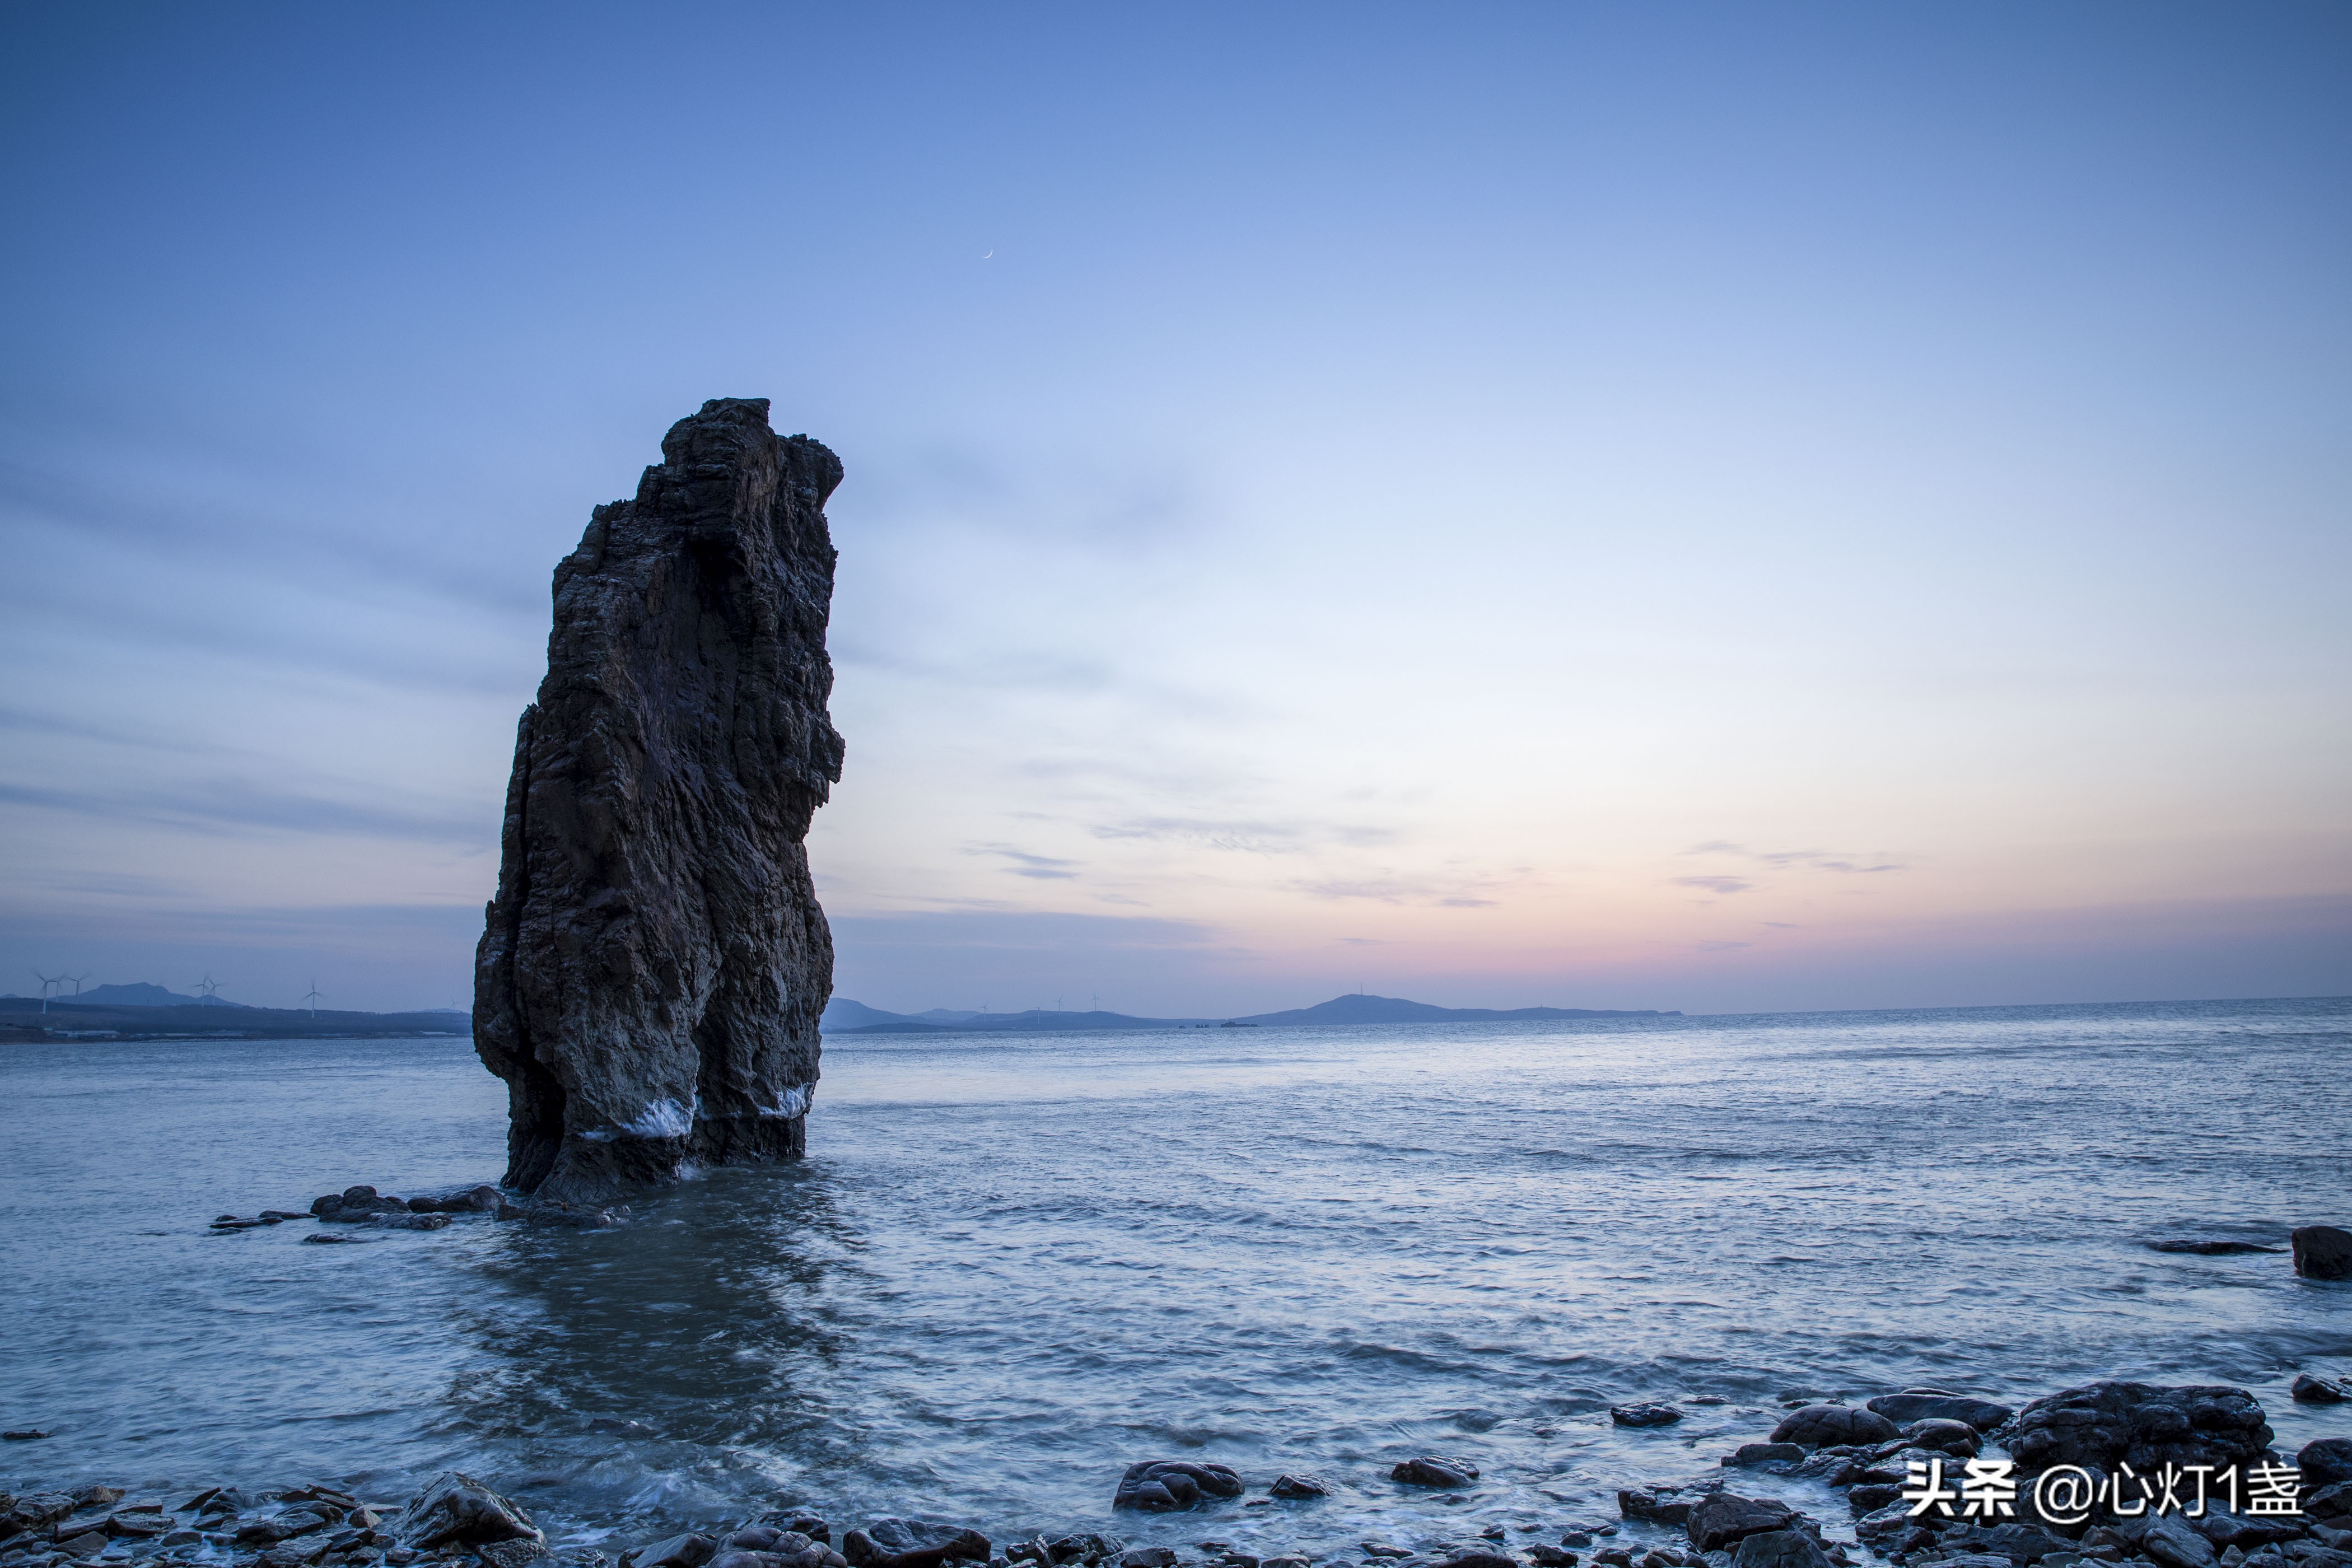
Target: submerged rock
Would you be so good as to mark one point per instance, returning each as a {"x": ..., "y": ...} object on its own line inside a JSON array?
[
  {"x": 2208, "y": 1248},
  {"x": 1644, "y": 1414},
  {"x": 1164, "y": 1486},
  {"x": 651, "y": 973},
  {"x": 1435, "y": 1470},
  {"x": 2310, "y": 1390}
]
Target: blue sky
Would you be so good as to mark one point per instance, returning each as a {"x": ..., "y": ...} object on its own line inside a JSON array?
[{"x": 1714, "y": 507}]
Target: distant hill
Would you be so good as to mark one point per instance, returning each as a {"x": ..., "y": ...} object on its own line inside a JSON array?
[
  {"x": 189, "y": 1018},
  {"x": 1362, "y": 1009},
  {"x": 842, "y": 1015},
  {"x": 143, "y": 994},
  {"x": 847, "y": 1017}
]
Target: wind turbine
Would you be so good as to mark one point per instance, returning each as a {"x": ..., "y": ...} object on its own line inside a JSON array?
[
  {"x": 208, "y": 985},
  {"x": 48, "y": 983},
  {"x": 77, "y": 980},
  {"x": 314, "y": 998}
]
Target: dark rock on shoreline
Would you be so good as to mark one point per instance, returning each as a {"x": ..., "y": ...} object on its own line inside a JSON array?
[
  {"x": 1944, "y": 1437},
  {"x": 689, "y": 1550},
  {"x": 1298, "y": 1486},
  {"x": 2326, "y": 1461},
  {"x": 1779, "y": 1549},
  {"x": 1666, "y": 1504},
  {"x": 2310, "y": 1390},
  {"x": 1163, "y": 1486},
  {"x": 1644, "y": 1414},
  {"x": 912, "y": 1543},
  {"x": 1819, "y": 1426},
  {"x": 1750, "y": 1456},
  {"x": 2142, "y": 1425},
  {"x": 1435, "y": 1470},
  {"x": 2322, "y": 1252},
  {"x": 1934, "y": 1405},
  {"x": 651, "y": 973},
  {"x": 457, "y": 1508},
  {"x": 1725, "y": 1518}
]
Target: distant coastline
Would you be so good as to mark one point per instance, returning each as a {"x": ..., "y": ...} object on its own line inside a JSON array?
[
  {"x": 843, "y": 1016},
  {"x": 24, "y": 1020}
]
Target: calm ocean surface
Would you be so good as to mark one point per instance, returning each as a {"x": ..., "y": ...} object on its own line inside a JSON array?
[{"x": 1012, "y": 1266}]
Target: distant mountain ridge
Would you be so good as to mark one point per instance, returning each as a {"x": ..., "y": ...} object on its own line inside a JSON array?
[
  {"x": 844, "y": 1016},
  {"x": 28, "y": 1017},
  {"x": 143, "y": 994}
]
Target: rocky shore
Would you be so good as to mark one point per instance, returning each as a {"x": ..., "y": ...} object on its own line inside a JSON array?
[
  {"x": 363, "y": 1206},
  {"x": 2164, "y": 1476}
]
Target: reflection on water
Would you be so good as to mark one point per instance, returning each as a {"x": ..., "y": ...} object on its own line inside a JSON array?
[{"x": 1011, "y": 1266}]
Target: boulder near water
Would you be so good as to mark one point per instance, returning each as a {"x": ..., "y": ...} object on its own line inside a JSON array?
[
  {"x": 651, "y": 973},
  {"x": 2323, "y": 1252},
  {"x": 456, "y": 1510},
  {"x": 1163, "y": 1486},
  {"x": 1815, "y": 1425},
  {"x": 2145, "y": 1425}
]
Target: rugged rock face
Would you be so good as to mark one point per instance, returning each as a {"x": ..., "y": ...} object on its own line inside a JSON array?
[{"x": 651, "y": 971}]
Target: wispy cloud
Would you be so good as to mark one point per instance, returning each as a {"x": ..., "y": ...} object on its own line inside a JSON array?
[
  {"x": 1246, "y": 837},
  {"x": 1809, "y": 859},
  {"x": 240, "y": 806},
  {"x": 1715, "y": 884},
  {"x": 1040, "y": 867},
  {"x": 1240, "y": 837}
]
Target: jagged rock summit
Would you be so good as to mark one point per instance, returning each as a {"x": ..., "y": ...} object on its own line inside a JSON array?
[{"x": 651, "y": 971}]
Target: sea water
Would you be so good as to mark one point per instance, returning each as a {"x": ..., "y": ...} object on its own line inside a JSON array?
[{"x": 1011, "y": 1266}]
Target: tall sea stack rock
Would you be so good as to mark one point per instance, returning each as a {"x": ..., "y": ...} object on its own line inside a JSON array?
[{"x": 651, "y": 971}]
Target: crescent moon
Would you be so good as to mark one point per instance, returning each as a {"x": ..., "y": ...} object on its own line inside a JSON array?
[{"x": 992, "y": 250}]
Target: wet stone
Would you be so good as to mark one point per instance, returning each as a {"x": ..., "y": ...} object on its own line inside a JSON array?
[
  {"x": 2326, "y": 1461},
  {"x": 1943, "y": 1436},
  {"x": 1435, "y": 1470},
  {"x": 1779, "y": 1549},
  {"x": 2322, "y": 1252},
  {"x": 916, "y": 1544},
  {"x": 1937, "y": 1404},
  {"x": 1825, "y": 1425},
  {"x": 1164, "y": 1485},
  {"x": 1750, "y": 1455},
  {"x": 1644, "y": 1414},
  {"x": 1725, "y": 1518},
  {"x": 456, "y": 1510}
]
